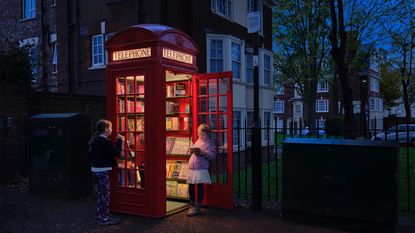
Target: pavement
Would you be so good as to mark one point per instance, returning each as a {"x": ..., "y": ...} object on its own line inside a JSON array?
[{"x": 21, "y": 211}]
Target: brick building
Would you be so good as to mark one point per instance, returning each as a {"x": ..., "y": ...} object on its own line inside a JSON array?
[
  {"x": 289, "y": 107},
  {"x": 31, "y": 24}
]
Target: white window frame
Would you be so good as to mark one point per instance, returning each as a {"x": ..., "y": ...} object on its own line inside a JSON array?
[
  {"x": 55, "y": 58},
  {"x": 373, "y": 105},
  {"x": 265, "y": 127},
  {"x": 297, "y": 91},
  {"x": 374, "y": 85},
  {"x": 238, "y": 62},
  {"x": 226, "y": 53},
  {"x": 53, "y": 3},
  {"x": 282, "y": 106},
  {"x": 295, "y": 106},
  {"x": 31, "y": 6},
  {"x": 279, "y": 89},
  {"x": 262, "y": 53},
  {"x": 249, "y": 124},
  {"x": 322, "y": 88},
  {"x": 324, "y": 107},
  {"x": 234, "y": 131},
  {"x": 100, "y": 53},
  {"x": 249, "y": 67},
  {"x": 228, "y": 13}
]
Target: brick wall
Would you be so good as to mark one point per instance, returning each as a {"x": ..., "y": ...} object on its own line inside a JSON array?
[{"x": 19, "y": 105}]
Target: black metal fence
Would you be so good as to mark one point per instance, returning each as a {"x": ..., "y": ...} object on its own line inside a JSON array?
[{"x": 272, "y": 137}]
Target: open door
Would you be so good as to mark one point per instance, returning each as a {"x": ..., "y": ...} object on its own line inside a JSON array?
[{"x": 212, "y": 101}]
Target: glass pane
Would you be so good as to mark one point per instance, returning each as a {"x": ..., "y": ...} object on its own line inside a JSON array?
[
  {"x": 203, "y": 119},
  {"x": 202, "y": 104},
  {"x": 223, "y": 102},
  {"x": 212, "y": 122},
  {"x": 212, "y": 104},
  {"x": 223, "y": 86},
  {"x": 212, "y": 87},
  {"x": 202, "y": 87},
  {"x": 130, "y": 85},
  {"x": 121, "y": 104}
]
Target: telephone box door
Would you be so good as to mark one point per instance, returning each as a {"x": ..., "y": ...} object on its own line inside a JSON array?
[{"x": 212, "y": 100}]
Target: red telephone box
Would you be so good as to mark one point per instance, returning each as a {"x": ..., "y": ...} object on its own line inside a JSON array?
[{"x": 156, "y": 101}]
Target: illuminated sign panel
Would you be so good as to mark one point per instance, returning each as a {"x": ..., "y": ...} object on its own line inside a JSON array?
[
  {"x": 177, "y": 56},
  {"x": 131, "y": 54}
]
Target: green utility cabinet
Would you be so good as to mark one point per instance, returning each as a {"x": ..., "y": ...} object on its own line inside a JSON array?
[
  {"x": 350, "y": 184},
  {"x": 58, "y": 154}
]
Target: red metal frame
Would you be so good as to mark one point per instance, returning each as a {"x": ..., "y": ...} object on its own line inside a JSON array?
[{"x": 151, "y": 199}]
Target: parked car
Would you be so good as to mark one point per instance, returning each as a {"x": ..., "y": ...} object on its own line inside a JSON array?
[
  {"x": 401, "y": 131},
  {"x": 307, "y": 131}
]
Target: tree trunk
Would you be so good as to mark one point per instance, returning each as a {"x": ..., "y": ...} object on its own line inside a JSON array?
[{"x": 406, "y": 101}]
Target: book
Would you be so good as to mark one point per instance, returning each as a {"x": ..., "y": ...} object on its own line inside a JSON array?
[
  {"x": 167, "y": 169},
  {"x": 180, "y": 89},
  {"x": 181, "y": 146},
  {"x": 171, "y": 188},
  {"x": 184, "y": 171},
  {"x": 120, "y": 87},
  {"x": 169, "y": 144},
  {"x": 174, "y": 170},
  {"x": 183, "y": 190}
]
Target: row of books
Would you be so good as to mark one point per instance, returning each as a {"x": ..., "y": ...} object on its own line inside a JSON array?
[
  {"x": 177, "y": 123},
  {"x": 139, "y": 88},
  {"x": 139, "y": 124},
  {"x": 130, "y": 107},
  {"x": 176, "y": 89},
  {"x": 174, "y": 188},
  {"x": 177, "y": 170},
  {"x": 178, "y": 145}
]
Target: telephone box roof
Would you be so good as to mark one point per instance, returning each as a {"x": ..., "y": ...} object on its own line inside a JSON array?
[{"x": 150, "y": 33}]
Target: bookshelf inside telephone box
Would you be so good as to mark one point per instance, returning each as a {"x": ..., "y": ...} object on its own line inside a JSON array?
[{"x": 156, "y": 100}]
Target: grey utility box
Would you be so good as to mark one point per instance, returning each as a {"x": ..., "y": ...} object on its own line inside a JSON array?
[
  {"x": 350, "y": 184},
  {"x": 58, "y": 153}
]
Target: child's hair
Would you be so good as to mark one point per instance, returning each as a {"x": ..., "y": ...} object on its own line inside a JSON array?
[
  {"x": 99, "y": 129},
  {"x": 204, "y": 128}
]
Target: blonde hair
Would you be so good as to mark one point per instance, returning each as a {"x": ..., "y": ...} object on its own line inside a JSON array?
[{"x": 204, "y": 128}]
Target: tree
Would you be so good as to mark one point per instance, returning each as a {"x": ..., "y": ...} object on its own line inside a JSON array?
[
  {"x": 351, "y": 25},
  {"x": 301, "y": 41},
  {"x": 390, "y": 86},
  {"x": 402, "y": 42},
  {"x": 15, "y": 67}
]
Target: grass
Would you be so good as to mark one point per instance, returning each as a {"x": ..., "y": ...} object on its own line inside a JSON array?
[{"x": 243, "y": 182}]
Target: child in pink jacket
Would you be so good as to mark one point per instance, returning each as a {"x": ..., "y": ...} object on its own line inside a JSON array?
[{"x": 202, "y": 151}]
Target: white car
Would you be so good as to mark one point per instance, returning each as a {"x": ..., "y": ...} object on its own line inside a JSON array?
[{"x": 401, "y": 131}]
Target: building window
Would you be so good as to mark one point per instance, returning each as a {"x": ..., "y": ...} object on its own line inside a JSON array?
[
  {"x": 374, "y": 85},
  {"x": 298, "y": 108},
  {"x": 356, "y": 106},
  {"x": 279, "y": 89},
  {"x": 279, "y": 106},
  {"x": 55, "y": 58},
  {"x": 216, "y": 55},
  {"x": 297, "y": 91},
  {"x": 322, "y": 86},
  {"x": 267, "y": 125},
  {"x": 249, "y": 121},
  {"x": 322, "y": 105},
  {"x": 249, "y": 68},
  {"x": 236, "y": 60},
  {"x": 372, "y": 104},
  {"x": 267, "y": 69},
  {"x": 222, "y": 7},
  {"x": 28, "y": 9},
  {"x": 98, "y": 50},
  {"x": 321, "y": 123},
  {"x": 236, "y": 125}
]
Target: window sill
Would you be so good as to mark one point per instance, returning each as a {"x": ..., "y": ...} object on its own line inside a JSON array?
[
  {"x": 29, "y": 19},
  {"x": 97, "y": 67}
]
